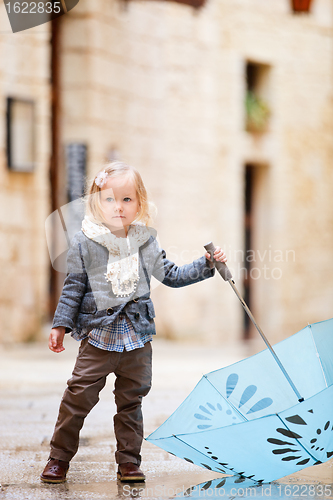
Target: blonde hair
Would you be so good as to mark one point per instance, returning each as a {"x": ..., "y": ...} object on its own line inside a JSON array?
[{"x": 115, "y": 169}]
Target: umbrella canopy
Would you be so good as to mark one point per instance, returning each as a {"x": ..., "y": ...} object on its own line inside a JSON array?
[{"x": 246, "y": 420}]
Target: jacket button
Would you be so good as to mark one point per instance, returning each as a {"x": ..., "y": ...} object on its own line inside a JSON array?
[
  {"x": 137, "y": 315},
  {"x": 109, "y": 311}
]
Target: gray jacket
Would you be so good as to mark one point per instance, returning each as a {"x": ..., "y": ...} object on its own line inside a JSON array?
[{"x": 87, "y": 300}]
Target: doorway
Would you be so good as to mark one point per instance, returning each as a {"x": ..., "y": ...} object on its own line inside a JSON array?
[{"x": 256, "y": 241}]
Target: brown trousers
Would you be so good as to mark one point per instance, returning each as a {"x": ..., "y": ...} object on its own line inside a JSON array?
[{"x": 133, "y": 371}]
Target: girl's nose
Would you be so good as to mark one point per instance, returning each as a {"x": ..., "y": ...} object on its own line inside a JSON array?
[{"x": 118, "y": 206}]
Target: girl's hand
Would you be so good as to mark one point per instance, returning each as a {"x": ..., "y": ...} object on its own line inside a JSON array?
[
  {"x": 56, "y": 339},
  {"x": 218, "y": 255}
]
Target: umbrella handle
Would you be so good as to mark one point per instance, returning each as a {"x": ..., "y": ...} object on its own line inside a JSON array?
[{"x": 221, "y": 267}]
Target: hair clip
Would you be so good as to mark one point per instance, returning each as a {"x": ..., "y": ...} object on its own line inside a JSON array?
[{"x": 100, "y": 178}]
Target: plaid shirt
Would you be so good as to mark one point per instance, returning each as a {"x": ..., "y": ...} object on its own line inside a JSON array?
[{"x": 117, "y": 336}]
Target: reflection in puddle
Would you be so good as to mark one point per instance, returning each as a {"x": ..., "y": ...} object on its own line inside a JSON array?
[
  {"x": 173, "y": 487},
  {"x": 236, "y": 487},
  {"x": 131, "y": 490}
]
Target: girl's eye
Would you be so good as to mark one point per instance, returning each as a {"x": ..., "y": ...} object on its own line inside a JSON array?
[
  {"x": 109, "y": 199},
  {"x": 127, "y": 199}
]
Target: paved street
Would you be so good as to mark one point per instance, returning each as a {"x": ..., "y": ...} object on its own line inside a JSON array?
[{"x": 32, "y": 380}]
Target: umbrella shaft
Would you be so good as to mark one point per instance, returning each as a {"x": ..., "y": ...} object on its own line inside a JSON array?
[{"x": 248, "y": 312}]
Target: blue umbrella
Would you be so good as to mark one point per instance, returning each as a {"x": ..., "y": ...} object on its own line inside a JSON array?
[{"x": 249, "y": 419}]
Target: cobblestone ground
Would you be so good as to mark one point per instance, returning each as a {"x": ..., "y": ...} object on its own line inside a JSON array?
[{"x": 32, "y": 380}]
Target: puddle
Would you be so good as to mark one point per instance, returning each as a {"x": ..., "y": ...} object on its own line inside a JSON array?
[
  {"x": 28, "y": 412},
  {"x": 227, "y": 488},
  {"x": 231, "y": 488}
]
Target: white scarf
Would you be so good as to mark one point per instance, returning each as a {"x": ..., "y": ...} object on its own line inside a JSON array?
[{"x": 123, "y": 263}]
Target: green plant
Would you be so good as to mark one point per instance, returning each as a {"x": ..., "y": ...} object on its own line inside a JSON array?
[{"x": 257, "y": 113}]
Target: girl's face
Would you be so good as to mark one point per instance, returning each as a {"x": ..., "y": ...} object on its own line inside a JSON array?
[{"x": 119, "y": 203}]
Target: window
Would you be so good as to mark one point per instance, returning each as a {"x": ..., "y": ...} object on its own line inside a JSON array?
[
  {"x": 20, "y": 135},
  {"x": 76, "y": 166},
  {"x": 301, "y": 6},
  {"x": 192, "y": 3},
  {"x": 257, "y": 97}
]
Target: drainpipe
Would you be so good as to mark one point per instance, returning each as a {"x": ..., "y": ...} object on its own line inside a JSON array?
[{"x": 55, "y": 276}]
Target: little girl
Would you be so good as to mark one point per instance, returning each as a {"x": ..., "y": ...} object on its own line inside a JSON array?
[{"x": 105, "y": 303}]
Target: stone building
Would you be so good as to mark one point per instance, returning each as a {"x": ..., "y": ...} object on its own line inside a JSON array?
[
  {"x": 25, "y": 93},
  {"x": 163, "y": 86}
]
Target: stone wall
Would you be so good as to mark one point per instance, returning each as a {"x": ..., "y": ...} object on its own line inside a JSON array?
[
  {"x": 24, "y": 197},
  {"x": 142, "y": 79},
  {"x": 164, "y": 86},
  {"x": 293, "y": 207}
]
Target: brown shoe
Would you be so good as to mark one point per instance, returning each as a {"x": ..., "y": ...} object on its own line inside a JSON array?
[
  {"x": 130, "y": 472},
  {"x": 55, "y": 471}
]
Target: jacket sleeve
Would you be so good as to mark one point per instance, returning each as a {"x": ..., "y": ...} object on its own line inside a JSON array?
[
  {"x": 74, "y": 286},
  {"x": 170, "y": 274}
]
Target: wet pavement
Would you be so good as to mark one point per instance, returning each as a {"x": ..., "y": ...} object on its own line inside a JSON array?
[{"x": 32, "y": 380}]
